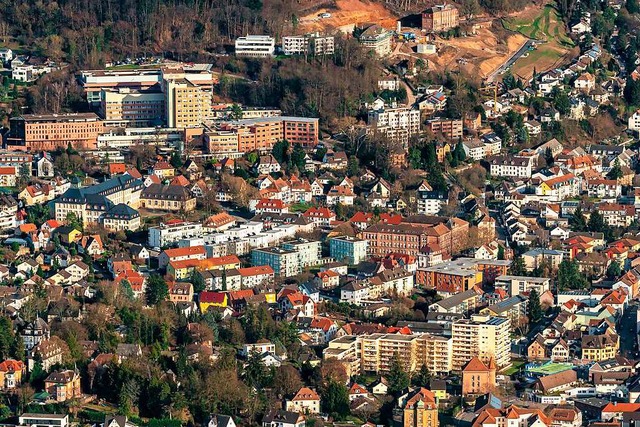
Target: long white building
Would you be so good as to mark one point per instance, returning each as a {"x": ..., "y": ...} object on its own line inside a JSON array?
[{"x": 255, "y": 46}]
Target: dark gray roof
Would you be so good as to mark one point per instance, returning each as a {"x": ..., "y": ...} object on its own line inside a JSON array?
[
  {"x": 280, "y": 416},
  {"x": 121, "y": 211}
]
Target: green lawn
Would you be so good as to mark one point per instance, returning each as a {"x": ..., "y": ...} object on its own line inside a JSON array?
[
  {"x": 551, "y": 368},
  {"x": 514, "y": 368}
]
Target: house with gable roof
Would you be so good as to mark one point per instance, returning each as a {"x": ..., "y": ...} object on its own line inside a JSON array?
[{"x": 306, "y": 401}]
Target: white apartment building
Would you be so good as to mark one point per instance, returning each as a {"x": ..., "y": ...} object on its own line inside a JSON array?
[
  {"x": 516, "y": 285},
  {"x": 481, "y": 336},
  {"x": 511, "y": 166},
  {"x": 634, "y": 121},
  {"x": 399, "y": 123},
  {"x": 6, "y": 55},
  {"x": 168, "y": 234},
  {"x": 313, "y": 44},
  {"x": 254, "y": 46}
]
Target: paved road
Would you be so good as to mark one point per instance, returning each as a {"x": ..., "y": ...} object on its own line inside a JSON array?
[
  {"x": 509, "y": 62},
  {"x": 627, "y": 331}
]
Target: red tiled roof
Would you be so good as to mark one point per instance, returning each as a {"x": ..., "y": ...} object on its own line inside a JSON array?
[{"x": 212, "y": 297}]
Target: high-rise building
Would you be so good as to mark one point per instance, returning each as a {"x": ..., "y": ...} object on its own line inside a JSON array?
[
  {"x": 481, "y": 336},
  {"x": 186, "y": 104}
]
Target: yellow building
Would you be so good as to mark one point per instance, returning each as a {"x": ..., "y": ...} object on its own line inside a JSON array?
[
  {"x": 482, "y": 336},
  {"x": 11, "y": 373},
  {"x": 184, "y": 269},
  {"x": 208, "y": 299},
  {"x": 63, "y": 385},
  {"x": 186, "y": 104},
  {"x": 167, "y": 198},
  {"x": 600, "y": 347},
  {"x": 374, "y": 352},
  {"x": 420, "y": 409}
]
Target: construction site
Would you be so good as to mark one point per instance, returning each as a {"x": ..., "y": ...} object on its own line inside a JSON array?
[{"x": 534, "y": 37}]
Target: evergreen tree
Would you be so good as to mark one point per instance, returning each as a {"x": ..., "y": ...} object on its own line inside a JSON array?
[
  {"x": 335, "y": 400},
  {"x": 632, "y": 92},
  {"x": 535, "y": 310},
  {"x": 157, "y": 289},
  {"x": 577, "y": 221},
  {"x": 548, "y": 157},
  {"x": 518, "y": 267},
  {"x": 616, "y": 171},
  {"x": 397, "y": 378},
  {"x": 632, "y": 6},
  {"x": 500, "y": 252},
  {"x": 422, "y": 378},
  {"x": 614, "y": 270},
  {"x": 176, "y": 159},
  {"x": 570, "y": 277},
  {"x": 596, "y": 222}
]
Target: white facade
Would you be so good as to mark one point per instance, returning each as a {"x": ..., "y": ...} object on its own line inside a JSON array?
[
  {"x": 308, "y": 44},
  {"x": 165, "y": 235},
  {"x": 515, "y": 167},
  {"x": 634, "y": 121},
  {"x": 255, "y": 46}
]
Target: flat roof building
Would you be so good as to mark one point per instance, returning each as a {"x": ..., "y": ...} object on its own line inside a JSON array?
[{"x": 253, "y": 46}]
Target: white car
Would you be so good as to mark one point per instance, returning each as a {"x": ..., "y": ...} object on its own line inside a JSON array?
[{"x": 325, "y": 15}]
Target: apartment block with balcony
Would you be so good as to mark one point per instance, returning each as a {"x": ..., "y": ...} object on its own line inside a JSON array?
[
  {"x": 170, "y": 234},
  {"x": 309, "y": 251},
  {"x": 347, "y": 248},
  {"x": 187, "y": 105},
  {"x": 285, "y": 263},
  {"x": 312, "y": 44},
  {"x": 482, "y": 336},
  {"x": 255, "y": 46}
]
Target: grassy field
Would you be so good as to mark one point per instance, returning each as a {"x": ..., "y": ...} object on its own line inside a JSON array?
[
  {"x": 551, "y": 368},
  {"x": 543, "y": 24}
]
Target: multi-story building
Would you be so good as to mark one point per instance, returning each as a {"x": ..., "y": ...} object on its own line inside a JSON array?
[
  {"x": 449, "y": 128},
  {"x": 440, "y": 18},
  {"x": 285, "y": 263},
  {"x": 399, "y": 124},
  {"x": 428, "y": 201},
  {"x": 414, "y": 233},
  {"x": 63, "y": 385},
  {"x": 254, "y": 46},
  {"x": 511, "y": 166},
  {"x": 419, "y": 409},
  {"x": 481, "y": 336},
  {"x": 94, "y": 81},
  {"x": 48, "y": 132},
  {"x": 634, "y": 121},
  {"x": 256, "y": 276},
  {"x": 376, "y": 39},
  {"x": 309, "y": 251},
  {"x": 516, "y": 285},
  {"x": 169, "y": 234},
  {"x": 167, "y": 198},
  {"x": 243, "y": 136},
  {"x": 375, "y": 352},
  {"x": 187, "y": 105},
  {"x": 600, "y": 347},
  {"x": 313, "y": 44},
  {"x": 91, "y": 203},
  {"x": 125, "y": 107},
  {"x": 348, "y": 249},
  {"x": 44, "y": 420},
  {"x": 461, "y": 274},
  {"x": 513, "y": 308}
]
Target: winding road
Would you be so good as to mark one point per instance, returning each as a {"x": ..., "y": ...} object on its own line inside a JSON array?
[{"x": 509, "y": 62}]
